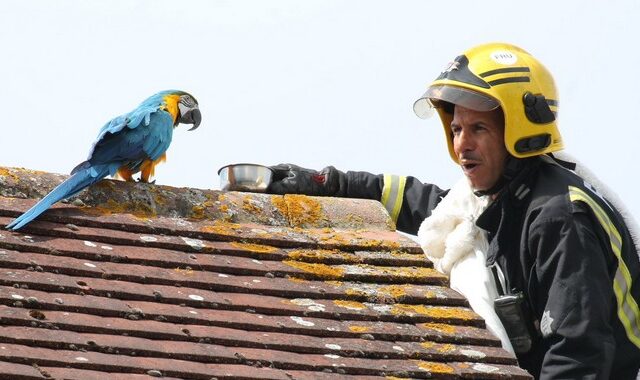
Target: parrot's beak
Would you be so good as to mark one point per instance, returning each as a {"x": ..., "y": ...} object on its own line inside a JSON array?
[{"x": 193, "y": 117}]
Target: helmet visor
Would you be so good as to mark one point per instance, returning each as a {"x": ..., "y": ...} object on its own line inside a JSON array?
[{"x": 476, "y": 101}]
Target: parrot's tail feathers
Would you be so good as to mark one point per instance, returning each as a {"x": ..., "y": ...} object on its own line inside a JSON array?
[{"x": 74, "y": 184}]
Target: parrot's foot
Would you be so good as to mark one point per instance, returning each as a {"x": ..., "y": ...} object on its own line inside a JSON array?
[{"x": 142, "y": 180}]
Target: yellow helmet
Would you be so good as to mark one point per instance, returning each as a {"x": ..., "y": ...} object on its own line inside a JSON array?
[{"x": 499, "y": 75}]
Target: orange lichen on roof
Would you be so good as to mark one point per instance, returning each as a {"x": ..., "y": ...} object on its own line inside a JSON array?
[
  {"x": 356, "y": 237},
  {"x": 6, "y": 173},
  {"x": 398, "y": 253},
  {"x": 435, "y": 367},
  {"x": 355, "y": 292},
  {"x": 320, "y": 270},
  {"x": 249, "y": 206},
  {"x": 355, "y": 219},
  {"x": 395, "y": 291},
  {"x": 359, "y": 329},
  {"x": 184, "y": 272},
  {"x": 317, "y": 254},
  {"x": 138, "y": 209},
  {"x": 300, "y": 210},
  {"x": 449, "y": 312},
  {"x": 304, "y": 210},
  {"x": 434, "y": 311},
  {"x": 428, "y": 345},
  {"x": 440, "y": 327},
  {"x": 259, "y": 248},
  {"x": 296, "y": 279},
  {"x": 445, "y": 348},
  {"x": 221, "y": 228},
  {"x": 198, "y": 211},
  {"x": 350, "y": 304},
  {"x": 280, "y": 204},
  {"x": 381, "y": 244},
  {"x": 400, "y": 272},
  {"x": 335, "y": 239},
  {"x": 442, "y": 348},
  {"x": 430, "y": 294},
  {"x": 30, "y": 171}
]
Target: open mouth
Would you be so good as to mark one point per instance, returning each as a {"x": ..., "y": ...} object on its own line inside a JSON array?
[{"x": 469, "y": 166}]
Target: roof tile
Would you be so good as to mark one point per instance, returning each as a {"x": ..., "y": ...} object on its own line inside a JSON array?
[{"x": 141, "y": 281}]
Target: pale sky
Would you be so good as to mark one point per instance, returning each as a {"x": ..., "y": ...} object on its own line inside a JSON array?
[{"x": 314, "y": 83}]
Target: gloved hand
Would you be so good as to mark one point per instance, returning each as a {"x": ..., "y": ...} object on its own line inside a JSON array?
[{"x": 293, "y": 179}]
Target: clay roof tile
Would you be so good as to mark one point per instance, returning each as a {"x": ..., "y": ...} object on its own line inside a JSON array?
[{"x": 137, "y": 281}]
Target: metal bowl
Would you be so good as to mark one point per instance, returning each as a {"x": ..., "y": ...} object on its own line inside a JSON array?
[{"x": 245, "y": 177}]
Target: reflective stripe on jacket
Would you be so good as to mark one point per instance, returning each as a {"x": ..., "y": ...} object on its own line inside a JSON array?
[{"x": 407, "y": 200}]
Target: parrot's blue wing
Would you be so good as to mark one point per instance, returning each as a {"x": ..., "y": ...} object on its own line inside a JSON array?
[
  {"x": 139, "y": 116},
  {"x": 136, "y": 143}
]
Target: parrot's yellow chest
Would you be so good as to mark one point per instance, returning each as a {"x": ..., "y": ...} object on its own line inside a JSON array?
[{"x": 171, "y": 106}]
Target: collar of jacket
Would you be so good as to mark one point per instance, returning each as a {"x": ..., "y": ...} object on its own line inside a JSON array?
[{"x": 501, "y": 215}]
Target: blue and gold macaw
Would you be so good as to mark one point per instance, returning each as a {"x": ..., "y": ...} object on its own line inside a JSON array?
[{"x": 128, "y": 144}]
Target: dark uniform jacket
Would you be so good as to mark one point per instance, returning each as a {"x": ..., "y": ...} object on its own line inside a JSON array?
[{"x": 565, "y": 248}]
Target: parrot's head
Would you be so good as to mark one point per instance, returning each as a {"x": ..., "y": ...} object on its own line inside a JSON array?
[
  {"x": 182, "y": 106},
  {"x": 188, "y": 111}
]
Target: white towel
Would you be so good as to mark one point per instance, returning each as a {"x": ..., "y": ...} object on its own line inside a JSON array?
[{"x": 450, "y": 238}]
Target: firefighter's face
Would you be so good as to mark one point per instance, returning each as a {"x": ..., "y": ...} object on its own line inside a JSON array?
[{"x": 478, "y": 142}]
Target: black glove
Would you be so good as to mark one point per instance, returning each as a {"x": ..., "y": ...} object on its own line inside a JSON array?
[{"x": 292, "y": 179}]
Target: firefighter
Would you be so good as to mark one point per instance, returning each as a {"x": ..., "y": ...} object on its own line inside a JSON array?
[{"x": 562, "y": 256}]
